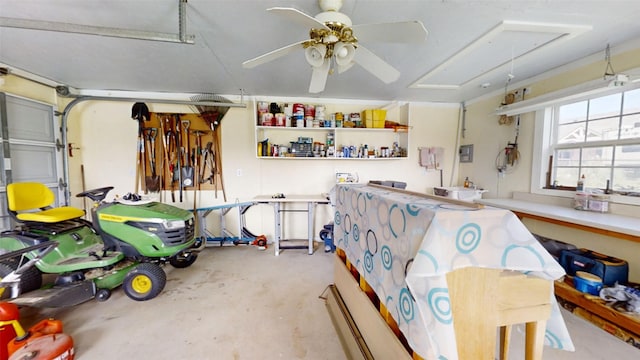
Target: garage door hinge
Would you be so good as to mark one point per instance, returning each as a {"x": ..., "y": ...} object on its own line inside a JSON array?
[{"x": 59, "y": 145}]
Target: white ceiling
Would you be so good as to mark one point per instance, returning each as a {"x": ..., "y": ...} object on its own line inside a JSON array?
[{"x": 470, "y": 44}]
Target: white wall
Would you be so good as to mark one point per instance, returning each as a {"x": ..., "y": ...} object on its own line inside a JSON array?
[{"x": 106, "y": 137}]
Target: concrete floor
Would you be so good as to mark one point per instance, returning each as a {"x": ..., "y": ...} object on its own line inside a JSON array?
[
  {"x": 243, "y": 303},
  {"x": 232, "y": 303}
]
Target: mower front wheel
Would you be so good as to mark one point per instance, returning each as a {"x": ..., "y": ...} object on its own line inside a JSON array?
[
  {"x": 183, "y": 260},
  {"x": 103, "y": 295},
  {"x": 144, "y": 282}
]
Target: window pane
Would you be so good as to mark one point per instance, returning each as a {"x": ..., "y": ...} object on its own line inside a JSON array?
[
  {"x": 628, "y": 155},
  {"x": 566, "y": 176},
  {"x": 567, "y": 157},
  {"x": 597, "y": 156},
  {"x": 571, "y": 133},
  {"x": 631, "y": 101},
  {"x": 573, "y": 112},
  {"x": 626, "y": 179},
  {"x": 605, "y": 106},
  {"x": 597, "y": 177},
  {"x": 605, "y": 129},
  {"x": 630, "y": 127}
]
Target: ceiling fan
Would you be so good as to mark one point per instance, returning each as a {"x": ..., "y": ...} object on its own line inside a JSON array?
[{"x": 334, "y": 43}]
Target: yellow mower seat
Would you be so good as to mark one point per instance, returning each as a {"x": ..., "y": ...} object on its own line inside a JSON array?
[{"x": 30, "y": 201}]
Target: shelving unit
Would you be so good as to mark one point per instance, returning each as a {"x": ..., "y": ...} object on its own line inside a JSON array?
[{"x": 381, "y": 143}]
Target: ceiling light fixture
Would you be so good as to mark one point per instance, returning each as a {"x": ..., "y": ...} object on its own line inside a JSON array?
[
  {"x": 337, "y": 43},
  {"x": 315, "y": 54}
]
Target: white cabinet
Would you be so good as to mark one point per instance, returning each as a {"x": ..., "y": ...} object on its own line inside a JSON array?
[{"x": 339, "y": 143}]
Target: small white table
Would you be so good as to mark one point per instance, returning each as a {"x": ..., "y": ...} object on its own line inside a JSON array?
[{"x": 310, "y": 200}]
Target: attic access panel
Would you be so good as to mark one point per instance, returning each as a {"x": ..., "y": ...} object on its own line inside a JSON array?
[{"x": 495, "y": 50}]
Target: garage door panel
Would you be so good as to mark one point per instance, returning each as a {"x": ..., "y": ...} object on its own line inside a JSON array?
[
  {"x": 33, "y": 163},
  {"x": 39, "y": 126}
]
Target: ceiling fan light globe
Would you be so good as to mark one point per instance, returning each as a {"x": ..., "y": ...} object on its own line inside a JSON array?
[
  {"x": 344, "y": 53},
  {"x": 315, "y": 54}
]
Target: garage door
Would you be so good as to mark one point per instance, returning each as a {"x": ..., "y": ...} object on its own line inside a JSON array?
[{"x": 29, "y": 147}]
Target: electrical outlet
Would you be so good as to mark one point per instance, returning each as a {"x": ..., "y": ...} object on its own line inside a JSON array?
[{"x": 238, "y": 172}]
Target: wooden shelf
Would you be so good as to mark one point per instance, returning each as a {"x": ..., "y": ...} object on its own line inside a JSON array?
[{"x": 625, "y": 326}]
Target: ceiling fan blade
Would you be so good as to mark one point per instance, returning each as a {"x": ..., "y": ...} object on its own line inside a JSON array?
[
  {"x": 375, "y": 65},
  {"x": 299, "y": 17},
  {"x": 399, "y": 32},
  {"x": 272, "y": 55},
  {"x": 319, "y": 77},
  {"x": 343, "y": 68}
]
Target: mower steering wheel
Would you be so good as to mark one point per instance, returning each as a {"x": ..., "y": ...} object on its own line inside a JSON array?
[{"x": 96, "y": 195}]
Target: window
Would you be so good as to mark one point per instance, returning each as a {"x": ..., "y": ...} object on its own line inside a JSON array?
[{"x": 600, "y": 139}]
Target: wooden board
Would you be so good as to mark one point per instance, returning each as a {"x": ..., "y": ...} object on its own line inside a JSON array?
[
  {"x": 379, "y": 338},
  {"x": 350, "y": 337}
]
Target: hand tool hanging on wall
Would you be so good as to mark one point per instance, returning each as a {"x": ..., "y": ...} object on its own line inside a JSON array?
[
  {"x": 218, "y": 162},
  {"x": 165, "y": 123},
  {"x": 152, "y": 182},
  {"x": 140, "y": 113},
  {"x": 196, "y": 155},
  {"x": 177, "y": 173},
  {"x": 187, "y": 167},
  {"x": 204, "y": 161}
]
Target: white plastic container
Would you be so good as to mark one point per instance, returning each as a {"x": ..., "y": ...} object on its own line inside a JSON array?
[
  {"x": 599, "y": 203},
  {"x": 459, "y": 193},
  {"x": 581, "y": 201}
]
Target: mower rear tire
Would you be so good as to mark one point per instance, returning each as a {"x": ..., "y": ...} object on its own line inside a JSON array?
[
  {"x": 144, "y": 282},
  {"x": 30, "y": 280},
  {"x": 182, "y": 261}
]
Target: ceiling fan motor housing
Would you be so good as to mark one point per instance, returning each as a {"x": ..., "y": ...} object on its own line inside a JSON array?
[{"x": 330, "y": 5}]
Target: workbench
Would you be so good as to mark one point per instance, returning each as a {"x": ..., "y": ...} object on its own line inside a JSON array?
[{"x": 280, "y": 208}]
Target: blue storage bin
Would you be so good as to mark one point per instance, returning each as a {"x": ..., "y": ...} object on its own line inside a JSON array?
[{"x": 587, "y": 283}]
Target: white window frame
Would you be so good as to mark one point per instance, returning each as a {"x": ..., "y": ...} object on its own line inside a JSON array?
[{"x": 543, "y": 136}]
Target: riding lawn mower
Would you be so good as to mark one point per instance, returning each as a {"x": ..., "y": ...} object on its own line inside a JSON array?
[{"x": 125, "y": 244}]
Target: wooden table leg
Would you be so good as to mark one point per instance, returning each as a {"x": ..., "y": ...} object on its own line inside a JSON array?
[
  {"x": 534, "y": 339},
  {"x": 505, "y": 340}
]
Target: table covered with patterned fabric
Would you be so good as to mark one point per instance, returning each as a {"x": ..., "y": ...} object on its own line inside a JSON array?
[{"x": 404, "y": 244}]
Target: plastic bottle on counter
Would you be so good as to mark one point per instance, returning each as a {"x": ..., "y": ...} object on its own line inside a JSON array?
[{"x": 580, "y": 186}]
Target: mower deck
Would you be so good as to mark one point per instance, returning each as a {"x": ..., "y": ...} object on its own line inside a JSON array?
[{"x": 58, "y": 296}]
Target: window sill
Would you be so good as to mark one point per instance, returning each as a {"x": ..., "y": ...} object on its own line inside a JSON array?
[{"x": 617, "y": 203}]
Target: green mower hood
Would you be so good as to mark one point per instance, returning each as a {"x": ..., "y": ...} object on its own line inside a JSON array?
[{"x": 154, "y": 229}]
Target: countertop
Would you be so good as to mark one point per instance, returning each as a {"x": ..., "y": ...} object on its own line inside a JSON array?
[{"x": 617, "y": 223}]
